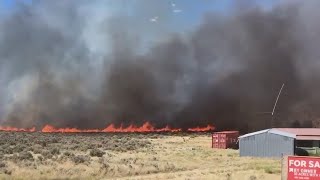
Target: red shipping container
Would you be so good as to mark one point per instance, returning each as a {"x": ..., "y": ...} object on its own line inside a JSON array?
[{"x": 225, "y": 139}]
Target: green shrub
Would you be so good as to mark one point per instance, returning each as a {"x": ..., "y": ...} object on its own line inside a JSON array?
[
  {"x": 271, "y": 170},
  {"x": 97, "y": 152},
  {"x": 80, "y": 159},
  {"x": 8, "y": 172},
  {"x": 2, "y": 165},
  {"x": 8, "y": 150},
  {"x": 84, "y": 147},
  {"x": 43, "y": 143},
  {"x": 54, "y": 140},
  {"x": 68, "y": 154},
  {"x": 25, "y": 155},
  {"x": 55, "y": 151},
  {"x": 46, "y": 154},
  {"x": 36, "y": 149},
  {"x": 40, "y": 158},
  {"x": 253, "y": 177},
  {"x": 19, "y": 148}
]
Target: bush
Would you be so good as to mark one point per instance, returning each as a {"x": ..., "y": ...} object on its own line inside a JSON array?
[
  {"x": 68, "y": 154},
  {"x": 8, "y": 172},
  {"x": 2, "y": 165},
  {"x": 80, "y": 159},
  {"x": 36, "y": 149},
  {"x": 40, "y": 158},
  {"x": 54, "y": 140},
  {"x": 271, "y": 170},
  {"x": 55, "y": 151},
  {"x": 25, "y": 155},
  {"x": 253, "y": 177},
  {"x": 43, "y": 143},
  {"x": 46, "y": 154},
  {"x": 97, "y": 153},
  {"x": 19, "y": 148},
  {"x": 84, "y": 147},
  {"x": 8, "y": 150},
  {"x": 75, "y": 147}
]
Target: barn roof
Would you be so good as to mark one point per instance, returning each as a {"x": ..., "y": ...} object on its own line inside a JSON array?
[
  {"x": 297, "y": 133},
  {"x": 302, "y": 131}
]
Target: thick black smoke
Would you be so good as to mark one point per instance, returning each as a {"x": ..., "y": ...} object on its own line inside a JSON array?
[{"x": 64, "y": 64}]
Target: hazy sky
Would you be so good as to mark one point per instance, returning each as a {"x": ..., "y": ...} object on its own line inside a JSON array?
[{"x": 188, "y": 12}]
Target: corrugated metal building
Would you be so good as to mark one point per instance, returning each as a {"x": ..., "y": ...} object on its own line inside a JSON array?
[{"x": 278, "y": 141}]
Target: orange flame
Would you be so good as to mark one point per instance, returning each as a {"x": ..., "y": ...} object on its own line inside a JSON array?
[
  {"x": 146, "y": 127},
  {"x": 51, "y": 129},
  {"x": 13, "y": 129},
  {"x": 199, "y": 129}
]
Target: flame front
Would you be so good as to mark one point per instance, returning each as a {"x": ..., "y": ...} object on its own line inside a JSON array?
[
  {"x": 199, "y": 129},
  {"x": 51, "y": 129},
  {"x": 14, "y": 129},
  {"x": 146, "y": 127}
]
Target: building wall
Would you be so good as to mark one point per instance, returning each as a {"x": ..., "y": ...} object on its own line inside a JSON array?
[{"x": 266, "y": 145}]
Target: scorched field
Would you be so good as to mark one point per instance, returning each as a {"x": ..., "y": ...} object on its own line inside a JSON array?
[{"x": 125, "y": 156}]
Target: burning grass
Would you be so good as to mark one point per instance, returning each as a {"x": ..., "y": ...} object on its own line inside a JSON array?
[
  {"x": 124, "y": 156},
  {"x": 146, "y": 127}
]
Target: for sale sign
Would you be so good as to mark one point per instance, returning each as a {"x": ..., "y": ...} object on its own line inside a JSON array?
[{"x": 303, "y": 168}]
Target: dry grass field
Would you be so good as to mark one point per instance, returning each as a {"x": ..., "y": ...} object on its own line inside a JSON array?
[{"x": 125, "y": 156}]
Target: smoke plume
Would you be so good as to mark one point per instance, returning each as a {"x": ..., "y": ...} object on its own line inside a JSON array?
[{"x": 76, "y": 64}]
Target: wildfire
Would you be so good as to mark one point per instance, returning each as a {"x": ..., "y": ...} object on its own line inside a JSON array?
[
  {"x": 13, "y": 129},
  {"x": 51, "y": 129},
  {"x": 199, "y": 129},
  {"x": 146, "y": 127}
]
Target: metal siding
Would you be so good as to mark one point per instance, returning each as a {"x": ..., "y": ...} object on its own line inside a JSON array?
[{"x": 266, "y": 145}]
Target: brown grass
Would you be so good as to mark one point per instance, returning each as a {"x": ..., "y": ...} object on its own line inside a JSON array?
[{"x": 125, "y": 156}]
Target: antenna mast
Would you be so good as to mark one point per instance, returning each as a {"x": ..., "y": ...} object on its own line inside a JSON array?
[{"x": 275, "y": 104}]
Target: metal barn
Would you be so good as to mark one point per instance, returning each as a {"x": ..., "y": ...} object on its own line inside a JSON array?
[{"x": 278, "y": 142}]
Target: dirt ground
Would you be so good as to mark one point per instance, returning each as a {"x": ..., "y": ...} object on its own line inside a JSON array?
[{"x": 125, "y": 156}]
